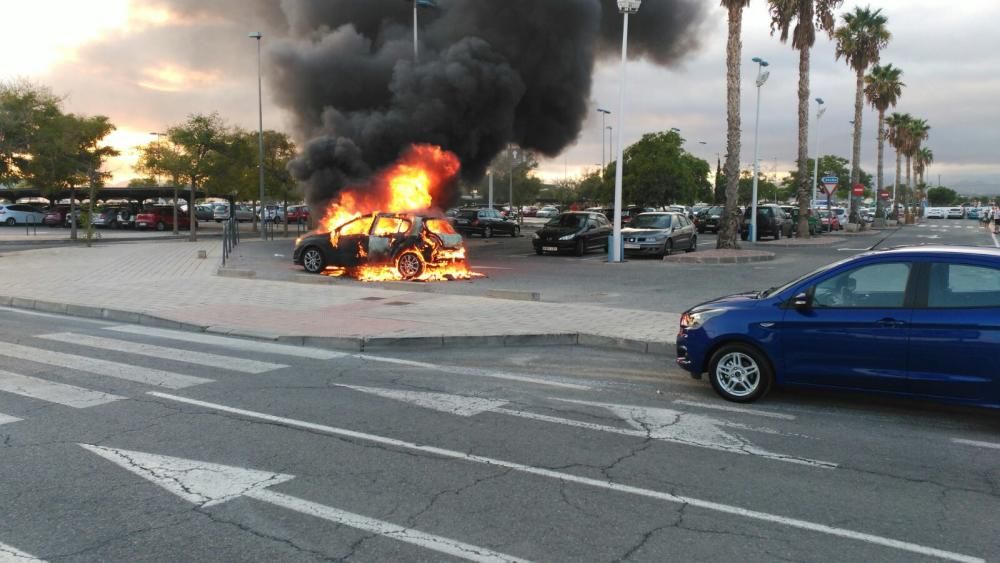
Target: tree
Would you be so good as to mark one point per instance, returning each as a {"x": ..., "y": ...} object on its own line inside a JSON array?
[
  {"x": 519, "y": 165},
  {"x": 594, "y": 188},
  {"x": 834, "y": 166},
  {"x": 729, "y": 228},
  {"x": 808, "y": 16},
  {"x": 921, "y": 161},
  {"x": 896, "y": 136},
  {"x": 143, "y": 182},
  {"x": 28, "y": 113},
  {"x": 941, "y": 197},
  {"x": 883, "y": 88},
  {"x": 915, "y": 131},
  {"x": 659, "y": 171},
  {"x": 197, "y": 144},
  {"x": 860, "y": 42}
]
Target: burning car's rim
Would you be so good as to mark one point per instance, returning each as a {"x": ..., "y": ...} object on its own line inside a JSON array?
[
  {"x": 312, "y": 260},
  {"x": 410, "y": 265}
]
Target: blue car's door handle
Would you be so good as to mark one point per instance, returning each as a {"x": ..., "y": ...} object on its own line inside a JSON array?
[{"x": 890, "y": 323}]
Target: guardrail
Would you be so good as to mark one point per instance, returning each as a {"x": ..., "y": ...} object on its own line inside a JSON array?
[{"x": 230, "y": 238}]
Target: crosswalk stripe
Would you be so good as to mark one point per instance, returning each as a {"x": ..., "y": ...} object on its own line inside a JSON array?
[
  {"x": 60, "y": 393},
  {"x": 164, "y": 353},
  {"x": 232, "y": 343},
  {"x": 10, "y": 554},
  {"x": 127, "y": 372},
  {"x": 6, "y": 419}
]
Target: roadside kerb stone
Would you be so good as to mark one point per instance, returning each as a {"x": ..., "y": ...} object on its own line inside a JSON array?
[
  {"x": 792, "y": 242},
  {"x": 514, "y": 295},
  {"x": 724, "y": 256},
  {"x": 236, "y": 273}
]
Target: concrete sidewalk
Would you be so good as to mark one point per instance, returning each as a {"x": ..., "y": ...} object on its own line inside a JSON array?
[{"x": 166, "y": 284}]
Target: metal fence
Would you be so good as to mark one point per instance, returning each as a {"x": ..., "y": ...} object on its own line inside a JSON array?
[{"x": 230, "y": 238}]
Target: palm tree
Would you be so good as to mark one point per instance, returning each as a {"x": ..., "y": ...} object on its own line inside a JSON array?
[
  {"x": 883, "y": 88},
  {"x": 808, "y": 16},
  {"x": 914, "y": 133},
  {"x": 734, "y": 50},
  {"x": 860, "y": 42},
  {"x": 896, "y": 135},
  {"x": 921, "y": 161}
]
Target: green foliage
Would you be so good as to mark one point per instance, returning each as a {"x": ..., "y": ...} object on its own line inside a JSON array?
[
  {"x": 658, "y": 171},
  {"x": 142, "y": 182},
  {"x": 942, "y": 197},
  {"x": 835, "y": 166},
  {"x": 862, "y": 37},
  {"x": 518, "y": 164},
  {"x": 27, "y": 114}
]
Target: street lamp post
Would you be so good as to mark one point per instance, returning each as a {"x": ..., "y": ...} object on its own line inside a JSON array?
[
  {"x": 626, "y": 7},
  {"x": 762, "y": 76},
  {"x": 489, "y": 173},
  {"x": 604, "y": 132},
  {"x": 819, "y": 113},
  {"x": 417, "y": 4},
  {"x": 611, "y": 145},
  {"x": 850, "y": 187},
  {"x": 260, "y": 138}
]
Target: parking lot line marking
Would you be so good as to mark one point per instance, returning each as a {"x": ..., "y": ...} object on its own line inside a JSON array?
[
  {"x": 6, "y": 419},
  {"x": 10, "y": 554},
  {"x": 596, "y": 483},
  {"x": 995, "y": 241},
  {"x": 976, "y": 443},
  {"x": 139, "y": 374},
  {"x": 164, "y": 353},
  {"x": 49, "y": 391},
  {"x": 231, "y": 343},
  {"x": 743, "y": 410},
  {"x": 471, "y": 371}
]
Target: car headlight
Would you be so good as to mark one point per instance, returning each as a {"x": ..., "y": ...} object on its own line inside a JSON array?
[
  {"x": 570, "y": 236},
  {"x": 659, "y": 237},
  {"x": 697, "y": 320}
]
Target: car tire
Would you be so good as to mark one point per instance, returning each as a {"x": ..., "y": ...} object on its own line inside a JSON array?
[
  {"x": 11, "y": 222},
  {"x": 693, "y": 246},
  {"x": 410, "y": 265},
  {"x": 740, "y": 373},
  {"x": 581, "y": 248},
  {"x": 777, "y": 234},
  {"x": 313, "y": 260},
  {"x": 539, "y": 251},
  {"x": 487, "y": 232},
  {"x": 516, "y": 232},
  {"x": 161, "y": 226},
  {"x": 668, "y": 248}
]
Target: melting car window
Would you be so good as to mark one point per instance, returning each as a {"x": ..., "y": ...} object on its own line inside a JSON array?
[
  {"x": 440, "y": 227},
  {"x": 359, "y": 226},
  {"x": 387, "y": 226}
]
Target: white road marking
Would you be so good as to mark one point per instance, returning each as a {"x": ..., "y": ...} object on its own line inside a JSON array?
[
  {"x": 995, "y": 241},
  {"x": 10, "y": 554},
  {"x": 127, "y": 372},
  {"x": 473, "y": 371},
  {"x": 929, "y": 236},
  {"x": 164, "y": 353},
  {"x": 208, "y": 484},
  {"x": 7, "y": 419},
  {"x": 976, "y": 443},
  {"x": 31, "y": 313},
  {"x": 59, "y": 393},
  {"x": 850, "y": 249},
  {"x": 443, "y": 402},
  {"x": 597, "y": 483},
  {"x": 231, "y": 343},
  {"x": 743, "y": 410}
]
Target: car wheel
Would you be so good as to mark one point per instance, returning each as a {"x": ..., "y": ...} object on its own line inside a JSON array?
[
  {"x": 668, "y": 248},
  {"x": 488, "y": 232},
  {"x": 516, "y": 232},
  {"x": 580, "y": 248},
  {"x": 539, "y": 251},
  {"x": 313, "y": 260},
  {"x": 694, "y": 245},
  {"x": 11, "y": 222},
  {"x": 409, "y": 265},
  {"x": 740, "y": 373},
  {"x": 777, "y": 234},
  {"x": 161, "y": 226}
]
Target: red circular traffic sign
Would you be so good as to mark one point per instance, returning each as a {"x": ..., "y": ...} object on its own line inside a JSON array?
[{"x": 858, "y": 189}]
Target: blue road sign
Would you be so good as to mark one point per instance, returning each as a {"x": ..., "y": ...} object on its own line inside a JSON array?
[{"x": 831, "y": 180}]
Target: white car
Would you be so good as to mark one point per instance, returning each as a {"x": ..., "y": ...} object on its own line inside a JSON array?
[
  {"x": 935, "y": 213},
  {"x": 547, "y": 212},
  {"x": 19, "y": 214},
  {"x": 956, "y": 213}
]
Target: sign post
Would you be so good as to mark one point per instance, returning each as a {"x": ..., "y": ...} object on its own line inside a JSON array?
[{"x": 830, "y": 183}]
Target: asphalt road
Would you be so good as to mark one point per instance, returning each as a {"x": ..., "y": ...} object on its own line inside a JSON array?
[
  {"x": 124, "y": 443},
  {"x": 510, "y": 264}
]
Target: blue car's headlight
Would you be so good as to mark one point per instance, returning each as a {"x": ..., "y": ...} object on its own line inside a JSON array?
[{"x": 696, "y": 320}]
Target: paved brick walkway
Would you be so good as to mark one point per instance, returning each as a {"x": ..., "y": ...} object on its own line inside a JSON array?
[{"x": 166, "y": 280}]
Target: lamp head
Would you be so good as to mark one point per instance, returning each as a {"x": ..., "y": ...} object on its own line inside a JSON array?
[
  {"x": 255, "y": 35},
  {"x": 602, "y": 110},
  {"x": 820, "y": 101},
  {"x": 629, "y": 6},
  {"x": 763, "y": 78}
]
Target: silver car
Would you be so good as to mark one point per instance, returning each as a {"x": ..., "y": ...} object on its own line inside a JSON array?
[
  {"x": 659, "y": 234},
  {"x": 19, "y": 214}
]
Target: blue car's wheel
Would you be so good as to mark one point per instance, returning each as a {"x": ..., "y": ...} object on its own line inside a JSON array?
[{"x": 740, "y": 373}]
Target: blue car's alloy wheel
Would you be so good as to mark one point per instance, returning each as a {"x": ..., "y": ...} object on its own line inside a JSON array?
[{"x": 739, "y": 373}]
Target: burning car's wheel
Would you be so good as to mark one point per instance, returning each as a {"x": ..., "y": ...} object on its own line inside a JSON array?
[
  {"x": 313, "y": 261},
  {"x": 410, "y": 265}
]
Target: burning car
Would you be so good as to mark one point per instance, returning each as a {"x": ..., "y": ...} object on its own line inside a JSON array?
[{"x": 386, "y": 246}]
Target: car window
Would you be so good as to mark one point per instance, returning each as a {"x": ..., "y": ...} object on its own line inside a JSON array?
[
  {"x": 440, "y": 226},
  {"x": 387, "y": 226},
  {"x": 568, "y": 220},
  {"x": 652, "y": 222},
  {"x": 961, "y": 285},
  {"x": 359, "y": 226},
  {"x": 877, "y": 285}
]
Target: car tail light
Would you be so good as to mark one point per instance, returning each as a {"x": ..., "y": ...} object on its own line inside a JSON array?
[{"x": 475, "y": 221}]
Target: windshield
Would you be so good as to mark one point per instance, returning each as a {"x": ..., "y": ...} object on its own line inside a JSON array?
[
  {"x": 651, "y": 222},
  {"x": 800, "y": 279},
  {"x": 568, "y": 220}
]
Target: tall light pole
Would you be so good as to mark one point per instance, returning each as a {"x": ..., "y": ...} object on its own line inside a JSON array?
[
  {"x": 850, "y": 188},
  {"x": 604, "y": 132},
  {"x": 611, "y": 145},
  {"x": 417, "y": 4},
  {"x": 489, "y": 173},
  {"x": 626, "y": 7},
  {"x": 762, "y": 76},
  {"x": 260, "y": 135},
  {"x": 819, "y": 113}
]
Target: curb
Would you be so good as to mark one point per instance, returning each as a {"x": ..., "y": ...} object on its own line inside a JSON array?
[
  {"x": 350, "y": 344},
  {"x": 700, "y": 258},
  {"x": 114, "y": 240}
]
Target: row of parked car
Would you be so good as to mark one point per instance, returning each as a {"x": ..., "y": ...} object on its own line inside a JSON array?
[{"x": 133, "y": 216}]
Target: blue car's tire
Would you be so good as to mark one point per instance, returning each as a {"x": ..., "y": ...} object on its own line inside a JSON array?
[{"x": 740, "y": 373}]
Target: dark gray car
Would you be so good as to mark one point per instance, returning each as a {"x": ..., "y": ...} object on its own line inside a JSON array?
[{"x": 659, "y": 234}]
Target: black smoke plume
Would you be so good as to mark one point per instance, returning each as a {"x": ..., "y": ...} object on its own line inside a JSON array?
[{"x": 490, "y": 72}]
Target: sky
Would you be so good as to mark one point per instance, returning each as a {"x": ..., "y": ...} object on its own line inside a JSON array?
[{"x": 148, "y": 68}]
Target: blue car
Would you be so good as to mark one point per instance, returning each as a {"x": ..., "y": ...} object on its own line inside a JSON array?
[{"x": 918, "y": 321}]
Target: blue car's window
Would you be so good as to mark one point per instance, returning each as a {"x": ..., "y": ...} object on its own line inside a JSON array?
[
  {"x": 874, "y": 286},
  {"x": 961, "y": 285}
]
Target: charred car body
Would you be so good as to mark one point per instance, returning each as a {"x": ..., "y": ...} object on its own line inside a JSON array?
[{"x": 407, "y": 243}]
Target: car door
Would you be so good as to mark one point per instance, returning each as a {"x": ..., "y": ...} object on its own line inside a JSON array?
[
  {"x": 955, "y": 334},
  {"x": 855, "y": 330},
  {"x": 386, "y": 236},
  {"x": 350, "y": 246},
  {"x": 683, "y": 234}
]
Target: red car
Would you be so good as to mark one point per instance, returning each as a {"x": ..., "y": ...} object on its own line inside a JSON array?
[
  {"x": 829, "y": 221},
  {"x": 56, "y": 216},
  {"x": 298, "y": 214},
  {"x": 161, "y": 218}
]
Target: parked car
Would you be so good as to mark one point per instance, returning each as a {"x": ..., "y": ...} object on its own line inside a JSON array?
[
  {"x": 973, "y": 213},
  {"x": 708, "y": 219},
  {"x": 659, "y": 234},
  {"x": 55, "y": 216},
  {"x": 529, "y": 211},
  {"x": 20, "y": 213},
  {"x": 298, "y": 214},
  {"x": 161, "y": 218},
  {"x": 771, "y": 221},
  {"x": 577, "y": 231},
  {"x": 829, "y": 221},
  {"x": 547, "y": 212},
  {"x": 72, "y": 216},
  {"x": 243, "y": 213},
  {"x": 956, "y": 213},
  {"x": 484, "y": 222},
  {"x": 204, "y": 212},
  {"x": 935, "y": 213},
  {"x": 107, "y": 218},
  {"x": 406, "y": 242},
  {"x": 274, "y": 213},
  {"x": 793, "y": 214},
  {"x": 912, "y": 321}
]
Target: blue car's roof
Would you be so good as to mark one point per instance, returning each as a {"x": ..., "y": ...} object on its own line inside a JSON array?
[{"x": 942, "y": 250}]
